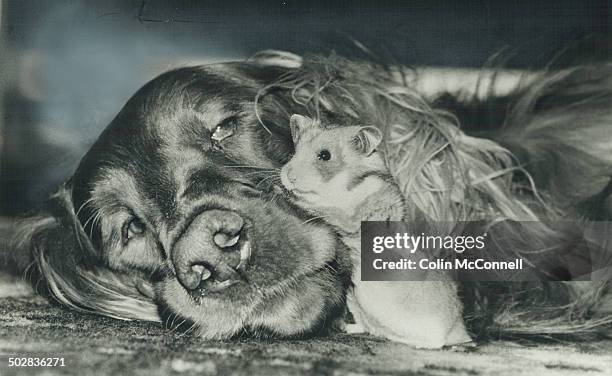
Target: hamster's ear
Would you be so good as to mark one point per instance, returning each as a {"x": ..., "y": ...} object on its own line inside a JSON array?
[
  {"x": 367, "y": 140},
  {"x": 298, "y": 124}
]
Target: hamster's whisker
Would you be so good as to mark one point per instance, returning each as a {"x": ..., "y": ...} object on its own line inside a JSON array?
[
  {"x": 268, "y": 179},
  {"x": 315, "y": 218},
  {"x": 253, "y": 167},
  {"x": 259, "y": 172},
  {"x": 272, "y": 198},
  {"x": 389, "y": 205}
]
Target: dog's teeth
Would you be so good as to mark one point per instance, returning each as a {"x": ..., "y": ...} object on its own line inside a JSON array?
[
  {"x": 206, "y": 274},
  {"x": 245, "y": 255},
  {"x": 232, "y": 242},
  {"x": 222, "y": 240},
  {"x": 202, "y": 270}
]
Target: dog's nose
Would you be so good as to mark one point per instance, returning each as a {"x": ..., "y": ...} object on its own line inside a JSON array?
[{"x": 211, "y": 251}]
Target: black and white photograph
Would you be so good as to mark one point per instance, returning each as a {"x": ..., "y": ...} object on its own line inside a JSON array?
[{"x": 306, "y": 187}]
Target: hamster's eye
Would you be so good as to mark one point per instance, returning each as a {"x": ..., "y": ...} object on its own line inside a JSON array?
[
  {"x": 132, "y": 228},
  {"x": 324, "y": 155}
]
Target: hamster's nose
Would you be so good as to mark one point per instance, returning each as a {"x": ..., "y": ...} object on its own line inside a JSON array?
[
  {"x": 288, "y": 177},
  {"x": 291, "y": 175}
]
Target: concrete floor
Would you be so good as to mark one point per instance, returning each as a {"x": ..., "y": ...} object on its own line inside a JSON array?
[{"x": 29, "y": 326}]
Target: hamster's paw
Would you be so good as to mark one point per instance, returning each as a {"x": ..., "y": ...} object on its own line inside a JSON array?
[
  {"x": 426, "y": 333},
  {"x": 463, "y": 347},
  {"x": 421, "y": 343},
  {"x": 354, "y": 328},
  {"x": 421, "y": 339},
  {"x": 458, "y": 335}
]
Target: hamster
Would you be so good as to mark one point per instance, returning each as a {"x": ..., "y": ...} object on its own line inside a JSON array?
[{"x": 338, "y": 175}]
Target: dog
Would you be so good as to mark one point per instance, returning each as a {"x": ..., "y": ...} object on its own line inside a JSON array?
[{"x": 172, "y": 214}]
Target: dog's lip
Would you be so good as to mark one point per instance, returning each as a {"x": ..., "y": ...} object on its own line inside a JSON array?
[
  {"x": 244, "y": 282},
  {"x": 249, "y": 290},
  {"x": 294, "y": 281},
  {"x": 246, "y": 286},
  {"x": 242, "y": 240},
  {"x": 249, "y": 186},
  {"x": 207, "y": 288},
  {"x": 246, "y": 251},
  {"x": 210, "y": 286}
]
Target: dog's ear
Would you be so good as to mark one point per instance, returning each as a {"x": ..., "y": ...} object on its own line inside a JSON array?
[
  {"x": 23, "y": 240},
  {"x": 15, "y": 239},
  {"x": 367, "y": 140},
  {"x": 57, "y": 257}
]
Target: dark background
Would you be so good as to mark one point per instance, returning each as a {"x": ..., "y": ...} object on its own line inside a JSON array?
[{"x": 67, "y": 67}]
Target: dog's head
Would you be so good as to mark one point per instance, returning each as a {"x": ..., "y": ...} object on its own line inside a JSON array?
[{"x": 172, "y": 214}]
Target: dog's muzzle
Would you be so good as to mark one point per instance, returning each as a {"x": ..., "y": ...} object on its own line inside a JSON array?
[{"x": 212, "y": 253}]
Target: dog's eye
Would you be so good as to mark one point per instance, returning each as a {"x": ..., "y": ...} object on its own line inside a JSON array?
[
  {"x": 225, "y": 129},
  {"x": 134, "y": 227},
  {"x": 324, "y": 155}
]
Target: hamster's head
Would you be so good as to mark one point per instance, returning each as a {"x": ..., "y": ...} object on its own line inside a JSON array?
[{"x": 326, "y": 173}]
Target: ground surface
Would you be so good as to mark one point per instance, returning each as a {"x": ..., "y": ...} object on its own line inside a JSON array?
[{"x": 29, "y": 326}]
